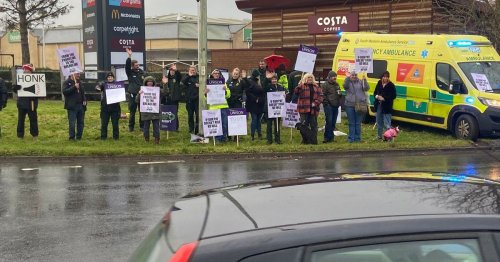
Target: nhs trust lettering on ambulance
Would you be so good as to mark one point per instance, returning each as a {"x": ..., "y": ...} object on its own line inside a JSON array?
[{"x": 395, "y": 52}]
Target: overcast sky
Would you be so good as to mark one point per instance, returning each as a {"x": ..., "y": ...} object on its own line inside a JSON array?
[{"x": 216, "y": 9}]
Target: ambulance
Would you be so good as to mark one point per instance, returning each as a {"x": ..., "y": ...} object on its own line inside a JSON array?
[{"x": 449, "y": 82}]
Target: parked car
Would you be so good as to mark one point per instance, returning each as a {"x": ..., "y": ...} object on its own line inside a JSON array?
[{"x": 381, "y": 217}]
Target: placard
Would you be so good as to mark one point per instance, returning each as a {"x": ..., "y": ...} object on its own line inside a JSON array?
[
  {"x": 275, "y": 104},
  {"x": 482, "y": 82},
  {"x": 168, "y": 116},
  {"x": 115, "y": 92},
  {"x": 212, "y": 123},
  {"x": 32, "y": 85},
  {"x": 69, "y": 61},
  {"x": 306, "y": 58},
  {"x": 217, "y": 94},
  {"x": 363, "y": 59},
  {"x": 237, "y": 122},
  {"x": 292, "y": 116},
  {"x": 150, "y": 99}
]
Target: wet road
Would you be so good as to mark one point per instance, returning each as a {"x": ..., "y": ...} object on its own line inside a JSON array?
[{"x": 87, "y": 210}]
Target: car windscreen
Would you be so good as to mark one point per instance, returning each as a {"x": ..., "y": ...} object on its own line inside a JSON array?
[{"x": 485, "y": 76}]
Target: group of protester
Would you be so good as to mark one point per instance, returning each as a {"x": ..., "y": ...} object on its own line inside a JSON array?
[{"x": 241, "y": 91}]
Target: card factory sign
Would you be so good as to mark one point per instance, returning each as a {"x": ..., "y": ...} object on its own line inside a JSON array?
[{"x": 330, "y": 24}]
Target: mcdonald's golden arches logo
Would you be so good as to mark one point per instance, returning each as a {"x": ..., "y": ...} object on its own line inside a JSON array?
[{"x": 115, "y": 14}]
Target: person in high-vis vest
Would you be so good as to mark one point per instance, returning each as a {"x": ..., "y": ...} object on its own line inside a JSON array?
[{"x": 216, "y": 74}]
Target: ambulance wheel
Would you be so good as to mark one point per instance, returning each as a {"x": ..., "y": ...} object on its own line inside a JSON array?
[{"x": 466, "y": 127}]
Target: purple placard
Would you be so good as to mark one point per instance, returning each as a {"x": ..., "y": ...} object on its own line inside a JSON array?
[
  {"x": 215, "y": 81},
  {"x": 236, "y": 111},
  {"x": 115, "y": 85},
  {"x": 69, "y": 61},
  {"x": 309, "y": 49},
  {"x": 168, "y": 117}
]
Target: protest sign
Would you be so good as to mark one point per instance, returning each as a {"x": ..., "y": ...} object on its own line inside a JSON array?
[
  {"x": 150, "y": 99},
  {"x": 306, "y": 58},
  {"x": 292, "y": 117},
  {"x": 217, "y": 94},
  {"x": 69, "y": 61},
  {"x": 115, "y": 92},
  {"x": 32, "y": 85},
  {"x": 363, "y": 60},
  {"x": 212, "y": 122},
  {"x": 168, "y": 115},
  {"x": 275, "y": 104},
  {"x": 237, "y": 122},
  {"x": 482, "y": 82}
]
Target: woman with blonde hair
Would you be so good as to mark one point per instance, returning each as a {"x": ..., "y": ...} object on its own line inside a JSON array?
[{"x": 308, "y": 96}]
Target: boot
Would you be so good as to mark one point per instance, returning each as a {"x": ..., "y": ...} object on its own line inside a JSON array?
[
  {"x": 157, "y": 140},
  {"x": 146, "y": 139}
]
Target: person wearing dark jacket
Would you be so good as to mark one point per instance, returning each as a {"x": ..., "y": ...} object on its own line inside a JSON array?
[
  {"x": 26, "y": 106},
  {"x": 3, "y": 98},
  {"x": 75, "y": 103},
  {"x": 331, "y": 103},
  {"x": 234, "y": 83},
  {"x": 191, "y": 84},
  {"x": 174, "y": 78},
  {"x": 293, "y": 81},
  {"x": 273, "y": 86},
  {"x": 109, "y": 111},
  {"x": 255, "y": 102},
  {"x": 384, "y": 94},
  {"x": 135, "y": 79}
]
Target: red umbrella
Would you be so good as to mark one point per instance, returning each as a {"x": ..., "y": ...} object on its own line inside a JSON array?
[{"x": 274, "y": 61}]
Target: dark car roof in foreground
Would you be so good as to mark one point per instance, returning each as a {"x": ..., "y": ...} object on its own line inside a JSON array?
[{"x": 343, "y": 197}]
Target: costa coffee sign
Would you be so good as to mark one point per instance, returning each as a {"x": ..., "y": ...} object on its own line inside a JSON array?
[{"x": 330, "y": 24}]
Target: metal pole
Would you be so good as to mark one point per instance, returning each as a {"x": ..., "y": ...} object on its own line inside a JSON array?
[{"x": 202, "y": 59}]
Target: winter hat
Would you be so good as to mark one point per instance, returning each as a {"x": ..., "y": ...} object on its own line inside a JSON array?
[
  {"x": 28, "y": 67},
  {"x": 255, "y": 73},
  {"x": 110, "y": 74},
  {"x": 332, "y": 74}
]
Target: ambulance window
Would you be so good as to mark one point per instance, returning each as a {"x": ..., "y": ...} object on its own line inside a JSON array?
[
  {"x": 444, "y": 75},
  {"x": 379, "y": 67}
]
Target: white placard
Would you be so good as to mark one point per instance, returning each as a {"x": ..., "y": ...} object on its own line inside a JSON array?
[
  {"x": 216, "y": 94},
  {"x": 212, "y": 123},
  {"x": 306, "y": 59},
  {"x": 115, "y": 93},
  {"x": 339, "y": 116},
  {"x": 69, "y": 62},
  {"x": 482, "y": 82},
  {"x": 237, "y": 122},
  {"x": 363, "y": 60},
  {"x": 121, "y": 74},
  {"x": 32, "y": 85},
  {"x": 150, "y": 99},
  {"x": 292, "y": 117},
  {"x": 275, "y": 104}
]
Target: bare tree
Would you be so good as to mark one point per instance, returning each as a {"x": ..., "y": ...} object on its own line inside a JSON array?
[
  {"x": 472, "y": 16},
  {"x": 26, "y": 14}
]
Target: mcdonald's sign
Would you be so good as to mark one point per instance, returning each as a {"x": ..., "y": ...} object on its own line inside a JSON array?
[{"x": 115, "y": 14}]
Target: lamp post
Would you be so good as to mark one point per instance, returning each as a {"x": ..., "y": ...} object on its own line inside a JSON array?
[
  {"x": 43, "y": 43},
  {"x": 202, "y": 59}
]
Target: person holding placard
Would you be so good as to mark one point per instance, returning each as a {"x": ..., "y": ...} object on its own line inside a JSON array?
[
  {"x": 331, "y": 103},
  {"x": 174, "y": 78},
  {"x": 191, "y": 84},
  {"x": 135, "y": 79},
  {"x": 309, "y": 96},
  {"x": 75, "y": 103},
  {"x": 216, "y": 74},
  {"x": 3, "y": 98},
  {"x": 255, "y": 102},
  {"x": 384, "y": 94},
  {"x": 26, "y": 106},
  {"x": 147, "y": 117},
  {"x": 273, "y": 86},
  {"x": 109, "y": 111},
  {"x": 356, "y": 104}
]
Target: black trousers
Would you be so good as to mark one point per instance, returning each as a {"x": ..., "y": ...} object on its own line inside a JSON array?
[
  {"x": 270, "y": 123},
  {"x": 132, "y": 108},
  {"x": 106, "y": 115},
  {"x": 32, "y": 115},
  {"x": 192, "y": 110}
]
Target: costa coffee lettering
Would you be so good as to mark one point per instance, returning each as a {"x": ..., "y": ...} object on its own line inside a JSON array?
[{"x": 332, "y": 21}]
